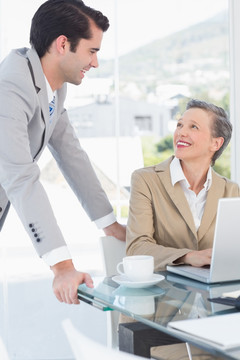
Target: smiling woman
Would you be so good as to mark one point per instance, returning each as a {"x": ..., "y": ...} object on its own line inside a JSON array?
[
  {"x": 184, "y": 188},
  {"x": 205, "y": 131},
  {"x": 193, "y": 141},
  {"x": 173, "y": 204}
]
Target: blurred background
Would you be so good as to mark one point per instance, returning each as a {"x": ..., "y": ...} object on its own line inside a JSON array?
[{"x": 155, "y": 56}]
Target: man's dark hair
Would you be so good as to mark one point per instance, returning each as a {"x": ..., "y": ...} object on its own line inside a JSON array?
[
  {"x": 63, "y": 17},
  {"x": 221, "y": 126}
]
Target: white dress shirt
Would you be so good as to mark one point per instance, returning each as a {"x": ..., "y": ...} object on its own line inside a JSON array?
[
  {"x": 196, "y": 202},
  {"x": 62, "y": 253}
]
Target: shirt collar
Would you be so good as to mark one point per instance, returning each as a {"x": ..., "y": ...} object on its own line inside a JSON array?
[
  {"x": 50, "y": 93},
  {"x": 177, "y": 174}
]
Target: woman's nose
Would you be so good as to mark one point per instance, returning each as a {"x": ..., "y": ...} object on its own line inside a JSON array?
[{"x": 182, "y": 131}]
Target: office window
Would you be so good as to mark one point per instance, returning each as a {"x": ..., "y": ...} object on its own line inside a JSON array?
[
  {"x": 143, "y": 124},
  {"x": 145, "y": 75},
  {"x": 154, "y": 57}
]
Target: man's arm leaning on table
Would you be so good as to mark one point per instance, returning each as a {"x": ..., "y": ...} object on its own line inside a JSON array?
[{"x": 66, "y": 277}]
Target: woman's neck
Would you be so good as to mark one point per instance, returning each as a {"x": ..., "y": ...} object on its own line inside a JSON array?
[{"x": 195, "y": 174}]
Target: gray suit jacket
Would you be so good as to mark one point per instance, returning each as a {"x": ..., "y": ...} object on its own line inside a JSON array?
[
  {"x": 160, "y": 221},
  {"x": 25, "y": 130}
]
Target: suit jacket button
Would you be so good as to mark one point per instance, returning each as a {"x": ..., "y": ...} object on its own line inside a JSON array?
[
  {"x": 38, "y": 240},
  {"x": 30, "y": 225}
]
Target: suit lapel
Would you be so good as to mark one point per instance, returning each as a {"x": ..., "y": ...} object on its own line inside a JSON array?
[
  {"x": 40, "y": 85},
  {"x": 176, "y": 194},
  {"x": 215, "y": 192}
]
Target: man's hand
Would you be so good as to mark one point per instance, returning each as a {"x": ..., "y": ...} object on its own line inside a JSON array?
[
  {"x": 197, "y": 258},
  {"x": 117, "y": 230},
  {"x": 66, "y": 281}
]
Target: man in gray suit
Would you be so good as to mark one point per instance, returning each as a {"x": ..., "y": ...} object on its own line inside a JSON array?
[{"x": 65, "y": 37}]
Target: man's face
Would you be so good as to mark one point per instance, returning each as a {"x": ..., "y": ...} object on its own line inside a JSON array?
[{"x": 74, "y": 64}]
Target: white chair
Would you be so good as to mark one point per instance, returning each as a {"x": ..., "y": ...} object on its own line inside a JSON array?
[
  {"x": 113, "y": 250},
  {"x": 84, "y": 348}
]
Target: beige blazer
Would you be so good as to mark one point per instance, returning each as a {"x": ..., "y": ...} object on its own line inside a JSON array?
[{"x": 160, "y": 221}]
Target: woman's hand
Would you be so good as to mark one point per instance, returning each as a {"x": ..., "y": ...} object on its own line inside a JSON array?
[
  {"x": 197, "y": 258},
  {"x": 117, "y": 230}
]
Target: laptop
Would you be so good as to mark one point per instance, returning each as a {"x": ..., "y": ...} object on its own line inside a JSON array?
[{"x": 225, "y": 264}]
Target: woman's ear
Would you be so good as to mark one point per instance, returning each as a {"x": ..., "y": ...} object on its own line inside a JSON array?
[{"x": 217, "y": 143}]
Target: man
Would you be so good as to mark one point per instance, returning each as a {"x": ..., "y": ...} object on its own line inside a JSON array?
[{"x": 65, "y": 37}]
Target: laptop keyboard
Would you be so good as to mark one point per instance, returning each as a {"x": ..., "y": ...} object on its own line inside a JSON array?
[{"x": 202, "y": 271}]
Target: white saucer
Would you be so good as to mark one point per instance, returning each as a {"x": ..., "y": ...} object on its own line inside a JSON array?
[{"x": 123, "y": 280}]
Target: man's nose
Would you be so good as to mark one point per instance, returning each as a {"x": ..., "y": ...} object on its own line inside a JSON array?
[{"x": 94, "y": 62}]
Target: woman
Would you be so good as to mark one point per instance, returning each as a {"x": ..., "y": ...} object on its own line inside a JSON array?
[{"x": 173, "y": 204}]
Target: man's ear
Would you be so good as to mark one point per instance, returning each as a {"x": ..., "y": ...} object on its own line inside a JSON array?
[{"x": 61, "y": 44}]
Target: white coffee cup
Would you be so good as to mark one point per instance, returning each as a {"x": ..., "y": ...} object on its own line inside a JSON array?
[{"x": 137, "y": 267}]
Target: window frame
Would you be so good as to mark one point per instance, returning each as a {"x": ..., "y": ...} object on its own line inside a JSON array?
[{"x": 234, "y": 53}]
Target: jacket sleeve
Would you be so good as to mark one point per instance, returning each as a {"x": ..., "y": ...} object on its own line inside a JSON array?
[
  {"x": 141, "y": 237},
  {"x": 19, "y": 173}
]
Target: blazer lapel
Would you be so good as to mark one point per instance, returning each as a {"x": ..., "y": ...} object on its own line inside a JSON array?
[
  {"x": 176, "y": 194},
  {"x": 215, "y": 192},
  {"x": 40, "y": 84}
]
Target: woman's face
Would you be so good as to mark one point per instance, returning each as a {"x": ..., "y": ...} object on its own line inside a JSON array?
[{"x": 193, "y": 139}]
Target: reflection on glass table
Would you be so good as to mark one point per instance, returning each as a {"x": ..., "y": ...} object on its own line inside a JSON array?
[{"x": 172, "y": 299}]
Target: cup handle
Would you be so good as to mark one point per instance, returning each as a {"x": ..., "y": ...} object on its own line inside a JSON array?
[{"x": 118, "y": 268}]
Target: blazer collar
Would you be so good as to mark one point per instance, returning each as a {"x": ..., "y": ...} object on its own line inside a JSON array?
[
  {"x": 38, "y": 75},
  {"x": 175, "y": 193},
  {"x": 177, "y": 196},
  {"x": 39, "y": 81}
]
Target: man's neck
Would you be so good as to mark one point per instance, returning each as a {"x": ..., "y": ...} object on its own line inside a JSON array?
[{"x": 51, "y": 73}]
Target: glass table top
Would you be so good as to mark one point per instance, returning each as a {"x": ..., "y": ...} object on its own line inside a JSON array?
[{"x": 172, "y": 299}]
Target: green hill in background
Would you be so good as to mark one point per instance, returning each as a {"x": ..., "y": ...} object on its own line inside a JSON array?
[{"x": 195, "y": 56}]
